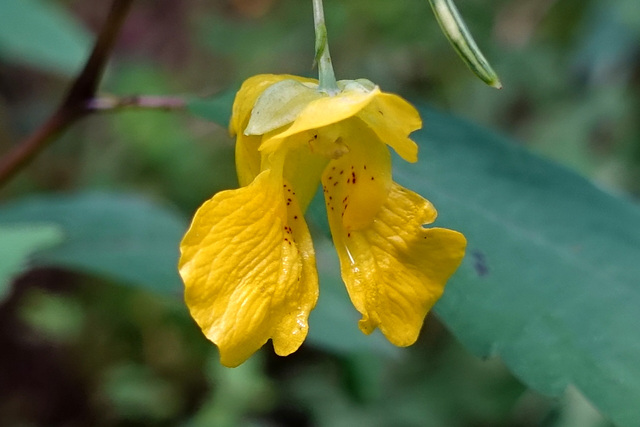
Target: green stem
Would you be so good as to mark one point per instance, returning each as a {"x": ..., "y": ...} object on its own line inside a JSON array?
[
  {"x": 326, "y": 75},
  {"x": 456, "y": 31}
]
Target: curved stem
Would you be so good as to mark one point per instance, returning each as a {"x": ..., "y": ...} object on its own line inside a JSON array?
[
  {"x": 73, "y": 107},
  {"x": 26, "y": 150},
  {"x": 326, "y": 75},
  {"x": 456, "y": 31}
]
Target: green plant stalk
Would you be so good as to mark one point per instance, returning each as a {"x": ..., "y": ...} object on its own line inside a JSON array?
[
  {"x": 326, "y": 75},
  {"x": 456, "y": 31}
]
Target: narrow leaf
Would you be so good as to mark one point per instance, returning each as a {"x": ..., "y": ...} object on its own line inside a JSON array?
[{"x": 456, "y": 31}]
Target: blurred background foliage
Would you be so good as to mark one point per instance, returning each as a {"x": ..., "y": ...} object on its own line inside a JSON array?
[{"x": 78, "y": 350}]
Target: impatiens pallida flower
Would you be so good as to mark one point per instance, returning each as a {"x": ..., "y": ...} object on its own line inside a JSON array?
[{"x": 247, "y": 261}]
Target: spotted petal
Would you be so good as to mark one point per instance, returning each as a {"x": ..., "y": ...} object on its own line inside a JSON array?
[
  {"x": 395, "y": 270},
  {"x": 249, "y": 269},
  {"x": 356, "y": 185}
]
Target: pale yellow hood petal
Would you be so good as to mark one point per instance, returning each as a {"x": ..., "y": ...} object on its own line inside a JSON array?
[
  {"x": 323, "y": 112},
  {"x": 246, "y": 98}
]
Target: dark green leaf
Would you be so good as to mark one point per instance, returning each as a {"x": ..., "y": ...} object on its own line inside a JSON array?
[
  {"x": 122, "y": 237},
  {"x": 42, "y": 34},
  {"x": 216, "y": 108},
  {"x": 19, "y": 241},
  {"x": 551, "y": 279}
]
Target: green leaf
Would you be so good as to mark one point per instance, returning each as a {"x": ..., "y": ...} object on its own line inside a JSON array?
[
  {"x": 216, "y": 109},
  {"x": 43, "y": 35},
  {"x": 550, "y": 282},
  {"x": 119, "y": 236},
  {"x": 17, "y": 243}
]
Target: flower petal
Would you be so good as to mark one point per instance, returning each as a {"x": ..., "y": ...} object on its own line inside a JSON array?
[
  {"x": 356, "y": 184},
  {"x": 393, "y": 119},
  {"x": 246, "y": 98},
  {"x": 326, "y": 111},
  {"x": 247, "y": 155},
  {"x": 303, "y": 170},
  {"x": 247, "y": 158},
  {"x": 280, "y": 104},
  {"x": 249, "y": 269},
  {"x": 395, "y": 270}
]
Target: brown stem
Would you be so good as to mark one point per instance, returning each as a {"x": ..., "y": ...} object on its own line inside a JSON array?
[
  {"x": 110, "y": 103},
  {"x": 74, "y": 105},
  {"x": 84, "y": 87},
  {"x": 24, "y": 152}
]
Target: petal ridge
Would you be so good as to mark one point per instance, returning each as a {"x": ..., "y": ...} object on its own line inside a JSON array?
[{"x": 395, "y": 269}]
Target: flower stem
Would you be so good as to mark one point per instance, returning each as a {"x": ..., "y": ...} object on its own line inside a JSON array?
[
  {"x": 456, "y": 31},
  {"x": 323, "y": 58}
]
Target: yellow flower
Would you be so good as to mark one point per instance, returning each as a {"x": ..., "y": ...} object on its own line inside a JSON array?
[{"x": 247, "y": 261}]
